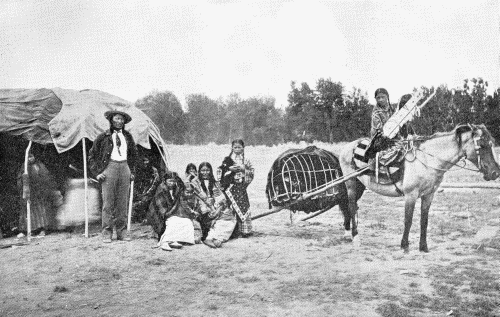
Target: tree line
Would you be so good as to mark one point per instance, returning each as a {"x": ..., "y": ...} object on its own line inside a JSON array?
[{"x": 328, "y": 113}]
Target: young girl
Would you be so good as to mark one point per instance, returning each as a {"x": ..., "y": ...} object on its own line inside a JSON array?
[
  {"x": 191, "y": 172},
  {"x": 236, "y": 173},
  {"x": 207, "y": 186}
]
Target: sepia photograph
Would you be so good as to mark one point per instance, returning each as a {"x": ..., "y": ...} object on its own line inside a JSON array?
[{"x": 250, "y": 158}]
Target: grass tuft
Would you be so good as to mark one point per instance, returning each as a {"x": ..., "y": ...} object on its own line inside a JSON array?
[
  {"x": 60, "y": 289},
  {"x": 393, "y": 310}
]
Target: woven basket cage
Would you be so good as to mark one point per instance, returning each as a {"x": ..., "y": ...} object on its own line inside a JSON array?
[{"x": 298, "y": 174}]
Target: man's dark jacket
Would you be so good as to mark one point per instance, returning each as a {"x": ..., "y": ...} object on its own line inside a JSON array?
[{"x": 100, "y": 153}]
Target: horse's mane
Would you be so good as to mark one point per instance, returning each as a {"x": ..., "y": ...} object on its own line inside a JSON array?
[{"x": 458, "y": 131}]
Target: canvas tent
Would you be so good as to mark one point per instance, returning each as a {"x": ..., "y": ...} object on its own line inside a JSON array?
[{"x": 64, "y": 117}]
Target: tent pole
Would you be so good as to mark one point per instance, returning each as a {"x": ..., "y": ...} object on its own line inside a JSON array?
[
  {"x": 84, "y": 148},
  {"x": 130, "y": 201},
  {"x": 28, "y": 201}
]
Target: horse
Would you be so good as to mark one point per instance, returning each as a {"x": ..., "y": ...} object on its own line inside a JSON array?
[{"x": 423, "y": 167}]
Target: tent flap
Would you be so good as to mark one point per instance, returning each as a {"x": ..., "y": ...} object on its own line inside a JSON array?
[
  {"x": 82, "y": 116},
  {"x": 27, "y": 112}
]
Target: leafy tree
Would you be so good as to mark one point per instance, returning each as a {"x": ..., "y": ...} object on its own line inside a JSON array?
[
  {"x": 203, "y": 116},
  {"x": 327, "y": 113},
  {"x": 448, "y": 108},
  {"x": 492, "y": 120},
  {"x": 354, "y": 116},
  {"x": 256, "y": 120},
  {"x": 329, "y": 101},
  {"x": 265, "y": 124},
  {"x": 234, "y": 117},
  {"x": 301, "y": 115},
  {"x": 438, "y": 115},
  {"x": 166, "y": 112}
]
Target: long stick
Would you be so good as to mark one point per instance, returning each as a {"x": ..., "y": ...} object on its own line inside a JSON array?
[
  {"x": 267, "y": 213},
  {"x": 130, "y": 200},
  {"x": 314, "y": 214},
  {"x": 28, "y": 201},
  {"x": 470, "y": 185},
  {"x": 84, "y": 149},
  {"x": 329, "y": 185}
]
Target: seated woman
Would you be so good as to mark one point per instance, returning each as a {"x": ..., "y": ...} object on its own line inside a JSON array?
[
  {"x": 179, "y": 227},
  {"x": 224, "y": 220},
  {"x": 167, "y": 195},
  {"x": 206, "y": 184}
]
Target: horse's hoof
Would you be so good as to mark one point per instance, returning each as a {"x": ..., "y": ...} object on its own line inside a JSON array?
[
  {"x": 426, "y": 250},
  {"x": 347, "y": 235},
  {"x": 356, "y": 241},
  {"x": 406, "y": 250}
]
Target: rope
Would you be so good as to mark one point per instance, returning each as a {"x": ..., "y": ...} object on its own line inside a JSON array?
[
  {"x": 445, "y": 161},
  {"x": 410, "y": 147},
  {"x": 399, "y": 191}
]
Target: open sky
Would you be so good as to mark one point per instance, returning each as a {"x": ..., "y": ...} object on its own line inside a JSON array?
[{"x": 128, "y": 48}]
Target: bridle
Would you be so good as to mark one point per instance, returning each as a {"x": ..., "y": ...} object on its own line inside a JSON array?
[
  {"x": 476, "y": 138},
  {"x": 477, "y": 147}
]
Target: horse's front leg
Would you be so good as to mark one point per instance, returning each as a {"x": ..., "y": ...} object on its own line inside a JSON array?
[
  {"x": 426, "y": 202},
  {"x": 410, "y": 200}
]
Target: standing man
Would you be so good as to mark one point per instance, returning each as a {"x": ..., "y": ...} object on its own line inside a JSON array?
[{"x": 112, "y": 161}]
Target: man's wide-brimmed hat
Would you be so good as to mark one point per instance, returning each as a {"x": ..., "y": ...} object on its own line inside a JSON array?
[{"x": 109, "y": 115}]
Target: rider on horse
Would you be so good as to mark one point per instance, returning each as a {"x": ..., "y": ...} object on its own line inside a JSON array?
[{"x": 381, "y": 113}]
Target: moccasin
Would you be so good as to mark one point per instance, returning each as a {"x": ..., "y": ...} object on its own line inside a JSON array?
[
  {"x": 165, "y": 247},
  {"x": 210, "y": 243},
  {"x": 175, "y": 245}
]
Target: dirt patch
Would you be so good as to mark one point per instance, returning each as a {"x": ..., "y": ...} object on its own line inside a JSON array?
[{"x": 299, "y": 269}]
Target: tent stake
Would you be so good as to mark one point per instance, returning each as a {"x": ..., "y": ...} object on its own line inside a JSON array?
[
  {"x": 84, "y": 148},
  {"x": 28, "y": 201}
]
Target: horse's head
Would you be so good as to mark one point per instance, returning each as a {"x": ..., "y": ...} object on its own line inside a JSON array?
[{"x": 478, "y": 148}]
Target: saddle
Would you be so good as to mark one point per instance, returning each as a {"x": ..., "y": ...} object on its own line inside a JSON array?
[{"x": 386, "y": 165}]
